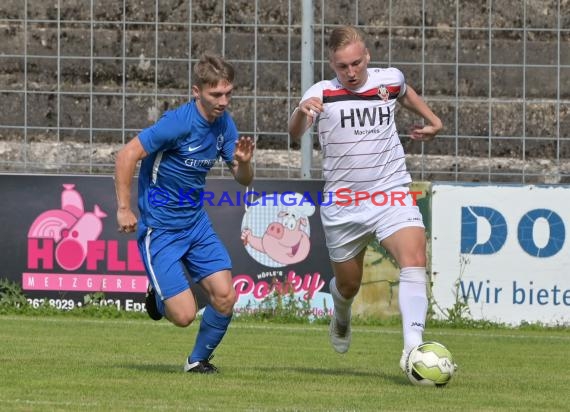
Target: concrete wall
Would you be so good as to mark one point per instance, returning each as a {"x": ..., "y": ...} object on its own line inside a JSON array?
[{"x": 535, "y": 97}]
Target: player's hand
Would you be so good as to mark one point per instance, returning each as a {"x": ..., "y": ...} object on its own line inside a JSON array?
[
  {"x": 245, "y": 234},
  {"x": 127, "y": 220},
  {"x": 424, "y": 133},
  {"x": 312, "y": 107},
  {"x": 244, "y": 149}
]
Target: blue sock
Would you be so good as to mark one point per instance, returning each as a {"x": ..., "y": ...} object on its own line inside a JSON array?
[{"x": 213, "y": 327}]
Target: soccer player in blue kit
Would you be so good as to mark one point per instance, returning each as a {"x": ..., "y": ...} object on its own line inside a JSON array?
[{"x": 174, "y": 232}]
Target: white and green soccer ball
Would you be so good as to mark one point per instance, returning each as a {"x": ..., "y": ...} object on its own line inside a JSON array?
[{"x": 430, "y": 364}]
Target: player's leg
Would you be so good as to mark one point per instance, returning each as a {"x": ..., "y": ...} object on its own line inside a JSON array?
[
  {"x": 181, "y": 309},
  {"x": 347, "y": 232},
  {"x": 215, "y": 319},
  {"x": 209, "y": 265},
  {"x": 169, "y": 291},
  {"x": 343, "y": 287},
  {"x": 407, "y": 246},
  {"x": 153, "y": 303},
  {"x": 401, "y": 232}
]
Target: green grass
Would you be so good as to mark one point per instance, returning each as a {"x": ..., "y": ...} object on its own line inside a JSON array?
[{"x": 73, "y": 364}]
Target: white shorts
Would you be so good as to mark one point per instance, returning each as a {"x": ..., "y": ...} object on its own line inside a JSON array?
[{"x": 349, "y": 229}]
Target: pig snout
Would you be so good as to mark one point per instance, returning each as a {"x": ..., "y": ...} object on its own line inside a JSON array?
[{"x": 276, "y": 230}]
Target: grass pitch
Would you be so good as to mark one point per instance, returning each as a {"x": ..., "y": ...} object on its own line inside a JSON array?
[{"x": 75, "y": 364}]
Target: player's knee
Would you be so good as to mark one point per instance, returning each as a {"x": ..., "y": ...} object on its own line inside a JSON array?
[
  {"x": 349, "y": 288},
  {"x": 418, "y": 261},
  {"x": 224, "y": 303},
  {"x": 414, "y": 259},
  {"x": 182, "y": 319}
]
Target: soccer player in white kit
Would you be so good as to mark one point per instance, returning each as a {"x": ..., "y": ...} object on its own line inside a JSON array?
[{"x": 362, "y": 153}]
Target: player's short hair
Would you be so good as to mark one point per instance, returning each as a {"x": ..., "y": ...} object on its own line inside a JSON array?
[
  {"x": 342, "y": 36},
  {"x": 211, "y": 69}
]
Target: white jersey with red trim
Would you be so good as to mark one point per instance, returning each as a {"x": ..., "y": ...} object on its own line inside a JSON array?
[{"x": 360, "y": 145}]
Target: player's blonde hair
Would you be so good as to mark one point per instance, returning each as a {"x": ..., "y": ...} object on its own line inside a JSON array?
[
  {"x": 211, "y": 69},
  {"x": 343, "y": 36}
]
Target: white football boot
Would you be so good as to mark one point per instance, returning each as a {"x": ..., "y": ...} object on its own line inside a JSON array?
[
  {"x": 403, "y": 360},
  {"x": 339, "y": 336}
]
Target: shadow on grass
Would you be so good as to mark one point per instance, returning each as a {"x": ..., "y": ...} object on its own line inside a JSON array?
[
  {"x": 398, "y": 379},
  {"x": 154, "y": 367}
]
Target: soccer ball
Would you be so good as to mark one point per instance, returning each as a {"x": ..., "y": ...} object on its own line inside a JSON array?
[{"x": 430, "y": 364}]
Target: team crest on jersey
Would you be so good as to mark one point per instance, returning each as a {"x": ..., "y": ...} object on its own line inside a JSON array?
[
  {"x": 383, "y": 93},
  {"x": 220, "y": 142}
]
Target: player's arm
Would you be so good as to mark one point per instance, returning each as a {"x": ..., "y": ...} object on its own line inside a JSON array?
[
  {"x": 412, "y": 101},
  {"x": 303, "y": 116},
  {"x": 125, "y": 165},
  {"x": 241, "y": 164}
]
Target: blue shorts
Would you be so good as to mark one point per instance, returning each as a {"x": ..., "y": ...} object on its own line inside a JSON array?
[{"x": 166, "y": 255}]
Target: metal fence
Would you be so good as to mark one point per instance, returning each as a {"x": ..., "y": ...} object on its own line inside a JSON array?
[{"x": 78, "y": 78}]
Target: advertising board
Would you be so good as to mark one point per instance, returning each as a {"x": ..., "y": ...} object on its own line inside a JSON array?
[{"x": 502, "y": 250}]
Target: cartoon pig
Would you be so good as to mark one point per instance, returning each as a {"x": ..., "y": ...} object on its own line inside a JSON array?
[{"x": 284, "y": 241}]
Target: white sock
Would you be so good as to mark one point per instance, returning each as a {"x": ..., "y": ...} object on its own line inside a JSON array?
[
  {"x": 413, "y": 302},
  {"x": 341, "y": 304}
]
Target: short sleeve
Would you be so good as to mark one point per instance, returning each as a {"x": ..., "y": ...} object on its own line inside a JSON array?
[
  {"x": 316, "y": 90},
  {"x": 400, "y": 80},
  {"x": 163, "y": 134}
]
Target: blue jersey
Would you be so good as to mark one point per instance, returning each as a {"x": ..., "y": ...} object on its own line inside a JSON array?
[{"x": 182, "y": 147}]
